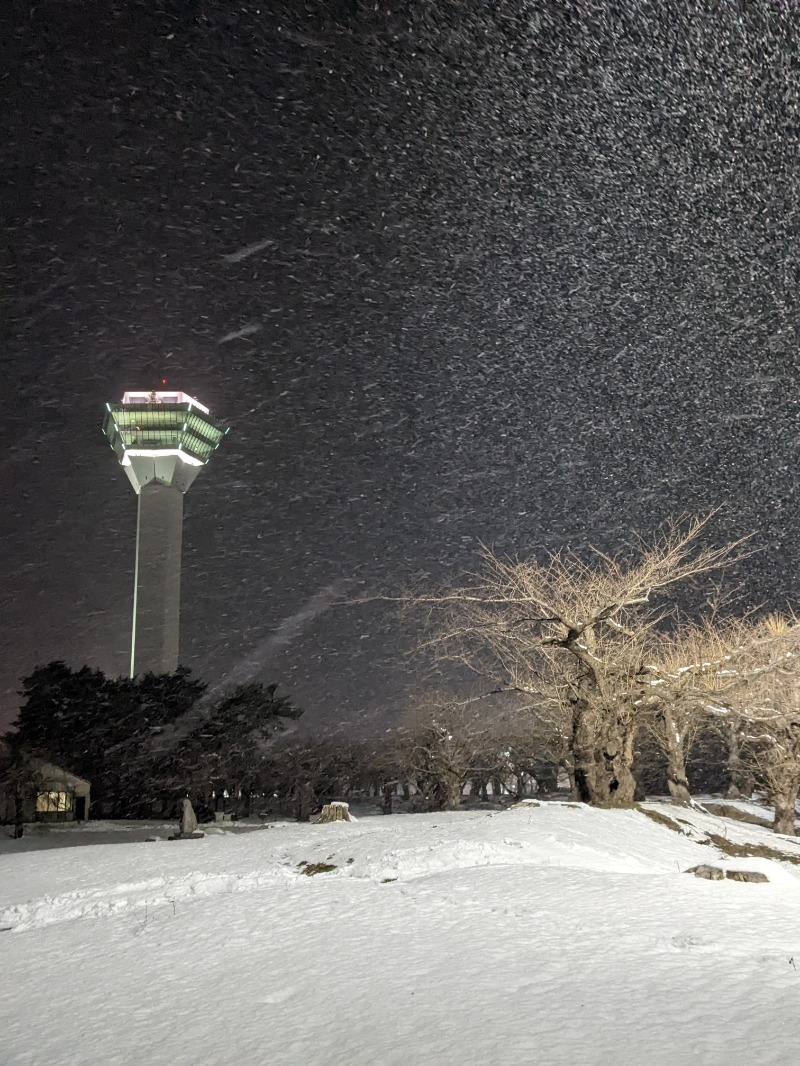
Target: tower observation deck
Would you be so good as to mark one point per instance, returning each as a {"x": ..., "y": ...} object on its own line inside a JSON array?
[{"x": 162, "y": 441}]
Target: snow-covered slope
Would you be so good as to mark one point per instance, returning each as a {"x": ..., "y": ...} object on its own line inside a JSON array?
[{"x": 533, "y": 935}]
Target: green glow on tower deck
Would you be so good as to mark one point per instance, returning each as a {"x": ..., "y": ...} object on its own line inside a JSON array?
[{"x": 157, "y": 424}]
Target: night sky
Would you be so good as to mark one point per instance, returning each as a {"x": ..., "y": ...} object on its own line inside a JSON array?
[{"x": 520, "y": 273}]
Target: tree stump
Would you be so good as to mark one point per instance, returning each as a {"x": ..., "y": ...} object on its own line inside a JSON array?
[{"x": 335, "y": 812}]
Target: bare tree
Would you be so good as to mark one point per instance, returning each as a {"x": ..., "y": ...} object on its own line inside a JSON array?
[
  {"x": 768, "y": 707},
  {"x": 574, "y": 633},
  {"x": 687, "y": 676},
  {"x": 441, "y": 743},
  {"x": 304, "y": 773},
  {"x": 526, "y": 750},
  {"x": 745, "y": 674}
]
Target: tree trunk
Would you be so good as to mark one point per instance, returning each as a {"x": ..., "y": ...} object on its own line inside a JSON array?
[
  {"x": 785, "y": 802},
  {"x": 677, "y": 782},
  {"x": 569, "y": 767},
  {"x": 785, "y": 816},
  {"x": 740, "y": 782},
  {"x": 449, "y": 791},
  {"x": 603, "y": 743},
  {"x": 546, "y": 774},
  {"x": 304, "y": 802},
  {"x": 19, "y": 816}
]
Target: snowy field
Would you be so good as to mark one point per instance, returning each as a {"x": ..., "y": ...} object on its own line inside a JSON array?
[{"x": 547, "y": 934}]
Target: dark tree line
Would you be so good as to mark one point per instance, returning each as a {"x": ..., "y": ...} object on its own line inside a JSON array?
[
  {"x": 238, "y": 757},
  {"x": 108, "y": 731},
  {"x": 117, "y": 734}
]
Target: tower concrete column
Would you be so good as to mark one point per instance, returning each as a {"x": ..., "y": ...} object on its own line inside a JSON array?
[{"x": 157, "y": 595}]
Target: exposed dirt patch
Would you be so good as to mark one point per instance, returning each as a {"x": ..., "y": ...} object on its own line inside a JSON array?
[
  {"x": 311, "y": 868},
  {"x": 663, "y": 819},
  {"x": 726, "y": 810},
  {"x": 748, "y": 851}
]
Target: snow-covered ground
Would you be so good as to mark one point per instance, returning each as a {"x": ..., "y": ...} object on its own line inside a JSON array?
[{"x": 541, "y": 934}]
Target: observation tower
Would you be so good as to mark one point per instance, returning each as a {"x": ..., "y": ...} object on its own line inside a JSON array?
[{"x": 162, "y": 441}]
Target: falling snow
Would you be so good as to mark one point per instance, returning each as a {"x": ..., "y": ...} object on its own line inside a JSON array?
[{"x": 522, "y": 273}]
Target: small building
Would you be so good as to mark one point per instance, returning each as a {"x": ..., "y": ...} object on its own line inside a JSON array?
[
  {"x": 60, "y": 796},
  {"x": 51, "y": 795}
]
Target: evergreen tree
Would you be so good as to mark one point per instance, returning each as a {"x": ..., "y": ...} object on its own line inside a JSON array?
[
  {"x": 227, "y": 751},
  {"x": 101, "y": 728}
]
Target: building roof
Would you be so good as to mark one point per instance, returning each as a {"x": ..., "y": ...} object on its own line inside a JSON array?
[{"x": 57, "y": 778}]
